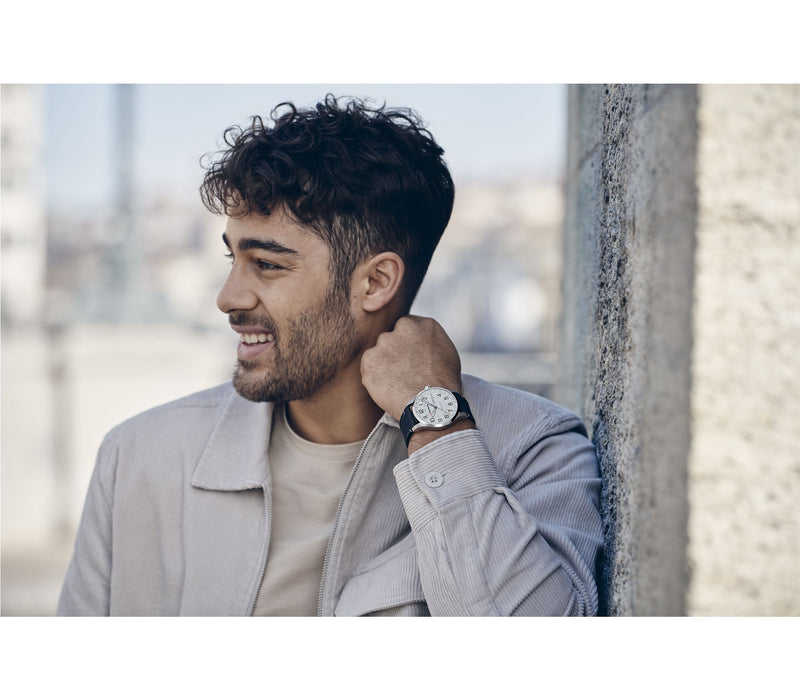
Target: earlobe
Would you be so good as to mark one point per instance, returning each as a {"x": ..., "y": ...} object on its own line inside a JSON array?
[{"x": 383, "y": 277}]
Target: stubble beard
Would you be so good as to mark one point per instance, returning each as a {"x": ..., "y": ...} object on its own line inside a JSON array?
[{"x": 306, "y": 356}]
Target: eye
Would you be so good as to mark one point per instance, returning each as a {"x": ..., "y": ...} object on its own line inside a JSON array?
[
  {"x": 229, "y": 256},
  {"x": 265, "y": 265}
]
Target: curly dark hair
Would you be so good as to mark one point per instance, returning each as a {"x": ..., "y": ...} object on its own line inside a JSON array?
[{"x": 366, "y": 180}]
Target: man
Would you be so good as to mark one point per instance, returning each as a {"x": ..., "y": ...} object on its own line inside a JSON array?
[{"x": 350, "y": 468}]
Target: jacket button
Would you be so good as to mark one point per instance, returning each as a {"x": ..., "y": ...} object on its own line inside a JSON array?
[{"x": 434, "y": 479}]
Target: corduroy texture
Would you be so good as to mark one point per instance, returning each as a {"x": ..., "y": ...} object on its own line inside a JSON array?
[{"x": 175, "y": 522}]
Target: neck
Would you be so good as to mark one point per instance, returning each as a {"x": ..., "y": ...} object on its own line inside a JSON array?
[{"x": 341, "y": 413}]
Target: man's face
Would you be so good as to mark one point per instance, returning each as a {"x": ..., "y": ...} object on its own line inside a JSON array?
[{"x": 295, "y": 332}]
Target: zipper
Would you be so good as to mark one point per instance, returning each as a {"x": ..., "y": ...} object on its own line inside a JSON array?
[
  {"x": 396, "y": 606},
  {"x": 268, "y": 509},
  {"x": 338, "y": 514}
]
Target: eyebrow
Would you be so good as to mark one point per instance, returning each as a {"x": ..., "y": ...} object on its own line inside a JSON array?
[{"x": 261, "y": 244}]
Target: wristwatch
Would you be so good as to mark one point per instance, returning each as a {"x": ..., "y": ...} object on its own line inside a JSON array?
[{"x": 434, "y": 408}]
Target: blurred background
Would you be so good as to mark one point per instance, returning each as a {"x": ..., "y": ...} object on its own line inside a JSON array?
[{"x": 111, "y": 266}]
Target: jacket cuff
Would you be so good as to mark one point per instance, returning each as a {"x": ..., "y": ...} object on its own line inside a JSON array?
[{"x": 452, "y": 468}]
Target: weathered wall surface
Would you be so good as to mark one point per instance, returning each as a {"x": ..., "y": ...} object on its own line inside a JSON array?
[
  {"x": 626, "y": 340},
  {"x": 745, "y": 456},
  {"x": 682, "y": 263}
]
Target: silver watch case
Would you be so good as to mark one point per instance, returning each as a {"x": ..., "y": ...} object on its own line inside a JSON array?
[{"x": 436, "y": 408}]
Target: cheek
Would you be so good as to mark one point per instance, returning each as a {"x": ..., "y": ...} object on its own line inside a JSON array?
[
  {"x": 308, "y": 296},
  {"x": 282, "y": 302}
]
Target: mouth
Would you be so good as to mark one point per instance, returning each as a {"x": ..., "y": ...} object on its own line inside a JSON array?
[
  {"x": 256, "y": 338},
  {"x": 253, "y": 341}
]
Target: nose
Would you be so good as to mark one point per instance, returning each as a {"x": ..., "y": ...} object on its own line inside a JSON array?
[{"x": 235, "y": 294}]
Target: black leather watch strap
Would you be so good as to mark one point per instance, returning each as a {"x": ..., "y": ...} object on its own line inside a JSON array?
[{"x": 407, "y": 422}]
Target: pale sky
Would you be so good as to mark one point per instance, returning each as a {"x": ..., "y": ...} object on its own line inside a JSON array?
[{"x": 489, "y": 132}]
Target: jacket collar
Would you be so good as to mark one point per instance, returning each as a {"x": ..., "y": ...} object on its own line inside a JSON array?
[{"x": 235, "y": 458}]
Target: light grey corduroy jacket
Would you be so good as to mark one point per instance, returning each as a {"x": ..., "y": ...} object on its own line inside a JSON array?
[{"x": 502, "y": 520}]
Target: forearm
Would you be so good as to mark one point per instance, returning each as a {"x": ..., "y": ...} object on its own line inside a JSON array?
[{"x": 485, "y": 550}]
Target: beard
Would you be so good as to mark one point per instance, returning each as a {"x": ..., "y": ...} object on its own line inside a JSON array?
[{"x": 307, "y": 353}]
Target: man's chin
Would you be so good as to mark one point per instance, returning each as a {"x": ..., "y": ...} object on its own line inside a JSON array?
[
  {"x": 252, "y": 388},
  {"x": 261, "y": 388},
  {"x": 264, "y": 388}
]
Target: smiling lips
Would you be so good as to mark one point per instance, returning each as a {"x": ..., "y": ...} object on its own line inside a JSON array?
[
  {"x": 256, "y": 338},
  {"x": 253, "y": 341}
]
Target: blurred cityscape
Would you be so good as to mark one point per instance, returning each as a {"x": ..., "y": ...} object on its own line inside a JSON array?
[{"x": 108, "y": 314}]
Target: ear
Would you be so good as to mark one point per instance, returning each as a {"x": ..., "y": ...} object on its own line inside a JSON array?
[{"x": 379, "y": 280}]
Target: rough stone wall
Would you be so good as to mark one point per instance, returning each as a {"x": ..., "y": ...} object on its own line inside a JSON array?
[
  {"x": 626, "y": 338},
  {"x": 745, "y": 457}
]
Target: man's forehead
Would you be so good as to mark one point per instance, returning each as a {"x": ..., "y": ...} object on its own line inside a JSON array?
[{"x": 275, "y": 226}]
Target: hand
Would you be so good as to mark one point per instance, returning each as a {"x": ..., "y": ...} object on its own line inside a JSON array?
[{"x": 415, "y": 354}]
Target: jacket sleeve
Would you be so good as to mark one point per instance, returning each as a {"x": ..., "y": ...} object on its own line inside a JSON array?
[
  {"x": 523, "y": 540},
  {"x": 86, "y": 588}
]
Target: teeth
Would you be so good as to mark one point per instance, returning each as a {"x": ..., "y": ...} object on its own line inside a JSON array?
[{"x": 254, "y": 338}]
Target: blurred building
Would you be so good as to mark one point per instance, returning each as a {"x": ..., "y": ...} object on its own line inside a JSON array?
[
  {"x": 495, "y": 275},
  {"x": 28, "y": 478},
  {"x": 22, "y": 206}
]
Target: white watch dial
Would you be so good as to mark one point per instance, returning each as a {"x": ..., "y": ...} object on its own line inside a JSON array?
[{"x": 435, "y": 406}]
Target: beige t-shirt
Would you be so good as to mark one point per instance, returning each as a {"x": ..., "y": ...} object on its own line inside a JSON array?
[{"x": 307, "y": 480}]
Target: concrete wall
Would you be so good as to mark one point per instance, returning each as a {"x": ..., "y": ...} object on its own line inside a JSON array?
[
  {"x": 745, "y": 457},
  {"x": 682, "y": 243},
  {"x": 626, "y": 340}
]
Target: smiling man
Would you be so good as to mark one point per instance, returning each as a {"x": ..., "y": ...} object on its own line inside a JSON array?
[{"x": 349, "y": 468}]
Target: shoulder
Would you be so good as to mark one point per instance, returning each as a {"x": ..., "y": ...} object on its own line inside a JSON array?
[
  {"x": 188, "y": 414},
  {"x": 529, "y": 436},
  {"x": 503, "y": 413},
  {"x": 166, "y": 442},
  {"x": 509, "y": 406}
]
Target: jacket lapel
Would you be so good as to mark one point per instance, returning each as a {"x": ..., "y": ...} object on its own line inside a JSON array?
[
  {"x": 235, "y": 458},
  {"x": 225, "y": 528}
]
